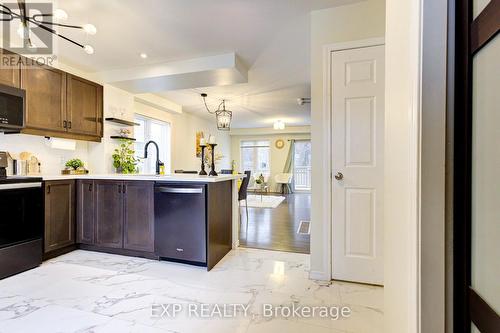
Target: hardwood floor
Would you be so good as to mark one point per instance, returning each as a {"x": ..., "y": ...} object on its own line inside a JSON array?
[{"x": 276, "y": 229}]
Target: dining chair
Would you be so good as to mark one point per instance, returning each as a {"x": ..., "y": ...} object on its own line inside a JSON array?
[{"x": 284, "y": 180}]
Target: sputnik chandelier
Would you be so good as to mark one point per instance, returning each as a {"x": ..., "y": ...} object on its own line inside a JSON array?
[{"x": 43, "y": 21}]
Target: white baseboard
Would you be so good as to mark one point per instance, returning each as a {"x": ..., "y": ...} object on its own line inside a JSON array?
[{"x": 318, "y": 275}]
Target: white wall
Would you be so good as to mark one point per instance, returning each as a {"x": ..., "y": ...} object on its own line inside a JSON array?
[
  {"x": 97, "y": 156},
  {"x": 278, "y": 156},
  {"x": 184, "y": 127},
  {"x": 52, "y": 160},
  {"x": 335, "y": 25},
  {"x": 407, "y": 162}
]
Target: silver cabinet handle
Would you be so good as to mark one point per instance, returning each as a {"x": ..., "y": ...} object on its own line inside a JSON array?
[
  {"x": 339, "y": 176},
  {"x": 179, "y": 190},
  {"x": 179, "y": 250}
]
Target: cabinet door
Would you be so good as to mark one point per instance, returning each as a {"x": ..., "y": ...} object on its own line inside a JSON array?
[
  {"x": 139, "y": 216},
  {"x": 84, "y": 106},
  {"x": 45, "y": 98},
  {"x": 85, "y": 212},
  {"x": 59, "y": 214},
  {"x": 10, "y": 69},
  {"x": 109, "y": 213}
]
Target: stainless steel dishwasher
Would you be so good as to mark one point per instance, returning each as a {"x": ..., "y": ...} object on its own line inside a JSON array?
[{"x": 180, "y": 222}]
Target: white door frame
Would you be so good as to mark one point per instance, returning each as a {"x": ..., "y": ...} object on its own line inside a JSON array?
[
  {"x": 326, "y": 170},
  {"x": 414, "y": 179}
]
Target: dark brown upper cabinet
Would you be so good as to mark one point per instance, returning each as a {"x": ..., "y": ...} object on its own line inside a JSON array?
[
  {"x": 59, "y": 215},
  {"x": 45, "y": 98},
  {"x": 58, "y": 104},
  {"x": 138, "y": 216},
  {"x": 84, "y": 106},
  {"x": 10, "y": 69}
]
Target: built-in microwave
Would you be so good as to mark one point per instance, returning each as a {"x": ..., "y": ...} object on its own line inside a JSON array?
[{"x": 12, "y": 109}]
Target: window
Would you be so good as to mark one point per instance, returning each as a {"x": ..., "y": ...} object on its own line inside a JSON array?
[
  {"x": 255, "y": 157},
  {"x": 159, "y": 132},
  {"x": 302, "y": 166}
]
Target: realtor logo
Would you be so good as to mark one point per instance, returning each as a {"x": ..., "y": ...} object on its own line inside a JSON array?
[{"x": 21, "y": 29}]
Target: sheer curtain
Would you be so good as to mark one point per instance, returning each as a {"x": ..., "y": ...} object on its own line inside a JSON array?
[{"x": 289, "y": 164}]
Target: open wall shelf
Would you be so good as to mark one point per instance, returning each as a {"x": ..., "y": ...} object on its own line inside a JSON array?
[
  {"x": 122, "y": 122},
  {"x": 122, "y": 138}
]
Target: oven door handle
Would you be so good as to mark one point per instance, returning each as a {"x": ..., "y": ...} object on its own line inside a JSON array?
[{"x": 19, "y": 186}]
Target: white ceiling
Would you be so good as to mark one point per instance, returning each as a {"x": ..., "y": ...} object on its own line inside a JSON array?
[{"x": 271, "y": 37}]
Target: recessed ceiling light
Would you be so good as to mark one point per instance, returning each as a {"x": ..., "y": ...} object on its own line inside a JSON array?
[{"x": 143, "y": 55}]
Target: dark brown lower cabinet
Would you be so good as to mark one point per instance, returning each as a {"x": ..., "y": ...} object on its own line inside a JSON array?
[
  {"x": 59, "y": 215},
  {"x": 116, "y": 214},
  {"x": 109, "y": 214},
  {"x": 85, "y": 212},
  {"x": 139, "y": 216}
]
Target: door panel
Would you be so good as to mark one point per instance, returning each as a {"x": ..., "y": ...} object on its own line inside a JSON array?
[
  {"x": 45, "y": 97},
  {"x": 84, "y": 106},
  {"x": 485, "y": 208},
  {"x": 59, "y": 214},
  {"x": 139, "y": 216},
  {"x": 357, "y": 80},
  {"x": 85, "y": 219},
  {"x": 109, "y": 213},
  {"x": 476, "y": 161}
]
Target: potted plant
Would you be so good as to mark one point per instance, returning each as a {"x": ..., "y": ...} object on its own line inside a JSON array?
[
  {"x": 74, "y": 166},
  {"x": 124, "y": 159}
]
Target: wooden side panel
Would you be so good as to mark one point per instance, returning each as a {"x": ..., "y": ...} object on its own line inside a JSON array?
[{"x": 219, "y": 221}]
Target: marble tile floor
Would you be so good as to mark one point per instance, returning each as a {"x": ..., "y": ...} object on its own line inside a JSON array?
[{"x": 95, "y": 292}]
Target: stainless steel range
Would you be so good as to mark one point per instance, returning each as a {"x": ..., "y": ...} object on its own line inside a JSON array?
[{"x": 21, "y": 223}]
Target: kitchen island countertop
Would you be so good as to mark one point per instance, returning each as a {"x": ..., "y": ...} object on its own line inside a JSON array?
[{"x": 167, "y": 178}]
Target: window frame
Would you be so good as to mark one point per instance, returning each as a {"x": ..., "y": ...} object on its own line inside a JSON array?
[
  {"x": 255, "y": 146},
  {"x": 167, "y": 157}
]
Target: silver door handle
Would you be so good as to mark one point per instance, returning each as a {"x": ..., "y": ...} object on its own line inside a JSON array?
[
  {"x": 179, "y": 190},
  {"x": 339, "y": 176}
]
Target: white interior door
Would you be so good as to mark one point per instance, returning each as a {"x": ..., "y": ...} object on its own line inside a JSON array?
[{"x": 357, "y": 83}]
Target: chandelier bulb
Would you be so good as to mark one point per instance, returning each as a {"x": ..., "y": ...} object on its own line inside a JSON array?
[
  {"x": 88, "y": 49},
  {"x": 89, "y": 29},
  {"x": 60, "y": 14}
]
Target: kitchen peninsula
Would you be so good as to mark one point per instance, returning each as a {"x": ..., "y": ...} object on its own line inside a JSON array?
[{"x": 180, "y": 217}]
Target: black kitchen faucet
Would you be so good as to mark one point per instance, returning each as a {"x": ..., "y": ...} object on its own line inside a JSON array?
[{"x": 158, "y": 162}]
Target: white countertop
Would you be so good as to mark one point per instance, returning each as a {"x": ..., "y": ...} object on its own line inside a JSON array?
[{"x": 179, "y": 177}]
